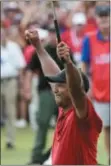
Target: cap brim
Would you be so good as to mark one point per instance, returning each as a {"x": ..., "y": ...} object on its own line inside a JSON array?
[
  {"x": 59, "y": 78},
  {"x": 55, "y": 79}
]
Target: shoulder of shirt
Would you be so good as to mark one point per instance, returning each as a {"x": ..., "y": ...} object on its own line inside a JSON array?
[{"x": 93, "y": 109}]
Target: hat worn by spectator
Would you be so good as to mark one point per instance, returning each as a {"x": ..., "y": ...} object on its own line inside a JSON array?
[
  {"x": 12, "y": 6},
  {"x": 79, "y": 19},
  {"x": 102, "y": 10},
  {"x": 61, "y": 78},
  {"x": 42, "y": 33}
]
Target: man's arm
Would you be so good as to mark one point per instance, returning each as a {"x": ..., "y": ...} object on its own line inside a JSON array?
[
  {"x": 49, "y": 66},
  {"x": 74, "y": 82}
]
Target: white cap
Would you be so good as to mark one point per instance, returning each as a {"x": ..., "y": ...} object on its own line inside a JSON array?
[
  {"x": 12, "y": 5},
  {"x": 79, "y": 18},
  {"x": 42, "y": 33}
]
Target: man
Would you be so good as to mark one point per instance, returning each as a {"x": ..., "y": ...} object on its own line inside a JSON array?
[
  {"x": 47, "y": 110},
  {"x": 96, "y": 57},
  {"x": 47, "y": 106},
  {"x": 12, "y": 64},
  {"x": 78, "y": 126}
]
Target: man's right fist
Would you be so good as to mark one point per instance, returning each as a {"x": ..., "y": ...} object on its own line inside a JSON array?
[{"x": 32, "y": 36}]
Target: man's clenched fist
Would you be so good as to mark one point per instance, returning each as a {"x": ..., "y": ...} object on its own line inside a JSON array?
[
  {"x": 63, "y": 51},
  {"x": 32, "y": 36}
]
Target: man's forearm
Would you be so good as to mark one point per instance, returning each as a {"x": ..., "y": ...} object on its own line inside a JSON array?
[
  {"x": 74, "y": 82},
  {"x": 49, "y": 66},
  {"x": 73, "y": 77}
]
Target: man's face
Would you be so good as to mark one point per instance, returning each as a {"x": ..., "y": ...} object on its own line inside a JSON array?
[
  {"x": 103, "y": 23},
  {"x": 11, "y": 14},
  {"x": 61, "y": 95}
]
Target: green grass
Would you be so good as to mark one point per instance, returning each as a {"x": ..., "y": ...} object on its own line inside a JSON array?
[{"x": 24, "y": 143}]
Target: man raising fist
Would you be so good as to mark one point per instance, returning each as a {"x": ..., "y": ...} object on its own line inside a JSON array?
[{"x": 78, "y": 126}]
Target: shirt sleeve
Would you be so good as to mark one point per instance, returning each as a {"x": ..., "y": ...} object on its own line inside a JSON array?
[
  {"x": 86, "y": 50},
  {"x": 93, "y": 118},
  {"x": 92, "y": 121}
]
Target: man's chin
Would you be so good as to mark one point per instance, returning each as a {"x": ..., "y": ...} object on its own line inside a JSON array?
[{"x": 58, "y": 102}]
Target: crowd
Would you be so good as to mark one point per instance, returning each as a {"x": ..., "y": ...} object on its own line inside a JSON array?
[{"x": 26, "y": 96}]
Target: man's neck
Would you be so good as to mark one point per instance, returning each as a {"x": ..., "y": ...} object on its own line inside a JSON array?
[{"x": 66, "y": 108}]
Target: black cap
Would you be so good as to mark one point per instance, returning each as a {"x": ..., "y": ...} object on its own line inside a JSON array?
[
  {"x": 61, "y": 78},
  {"x": 103, "y": 10}
]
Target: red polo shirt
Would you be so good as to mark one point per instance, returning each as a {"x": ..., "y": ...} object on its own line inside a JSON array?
[
  {"x": 28, "y": 52},
  {"x": 75, "y": 140}
]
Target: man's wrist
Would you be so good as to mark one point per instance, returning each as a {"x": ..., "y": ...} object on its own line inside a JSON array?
[
  {"x": 39, "y": 48},
  {"x": 69, "y": 61}
]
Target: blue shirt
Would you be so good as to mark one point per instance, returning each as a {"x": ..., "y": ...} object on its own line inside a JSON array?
[{"x": 86, "y": 48}]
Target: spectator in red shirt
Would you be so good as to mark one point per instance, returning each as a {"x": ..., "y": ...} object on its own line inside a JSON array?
[
  {"x": 96, "y": 56},
  {"x": 74, "y": 36},
  {"x": 89, "y": 7},
  {"x": 78, "y": 126}
]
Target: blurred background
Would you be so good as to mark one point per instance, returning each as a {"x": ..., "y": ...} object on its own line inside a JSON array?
[{"x": 28, "y": 118}]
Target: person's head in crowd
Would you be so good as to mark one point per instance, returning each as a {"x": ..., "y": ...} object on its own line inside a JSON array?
[
  {"x": 79, "y": 21},
  {"x": 11, "y": 9},
  {"x": 62, "y": 16},
  {"x": 103, "y": 18},
  {"x": 52, "y": 35},
  {"x": 13, "y": 13},
  {"x": 89, "y": 7},
  {"x": 89, "y": 4}
]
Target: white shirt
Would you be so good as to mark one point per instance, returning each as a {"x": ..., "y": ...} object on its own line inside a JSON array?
[{"x": 12, "y": 60}]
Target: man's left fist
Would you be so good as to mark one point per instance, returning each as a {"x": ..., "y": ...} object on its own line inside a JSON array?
[{"x": 63, "y": 52}]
